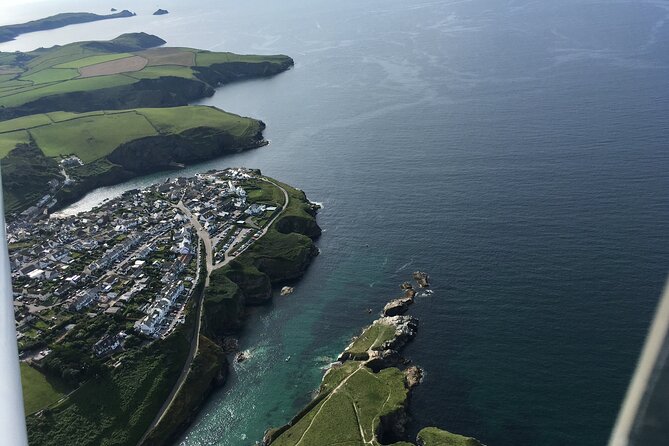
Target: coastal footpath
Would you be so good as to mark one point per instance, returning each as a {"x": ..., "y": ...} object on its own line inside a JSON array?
[
  {"x": 364, "y": 397},
  {"x": 128, "y": 343},
  {"x": 90, "y": 114}
]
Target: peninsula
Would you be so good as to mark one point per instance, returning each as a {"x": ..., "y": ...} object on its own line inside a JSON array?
[
  {"x": 363, "y": 398},
  {"x": 86, "y": 114},
  {"x": 11, "y": 32},
  {"x": 120, "y": 311}
]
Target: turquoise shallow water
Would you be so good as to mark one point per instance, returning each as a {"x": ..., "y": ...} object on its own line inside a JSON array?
[{"x": 515, "y": 150}]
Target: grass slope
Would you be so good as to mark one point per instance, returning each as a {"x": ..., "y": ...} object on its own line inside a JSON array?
[
  {"x": 115, "y": 407},
  {"x": 372, "y": 338},
  {"x": 352, "y": 402},
  {"x": 94, "y": 135},
  {"x": 38, "y": 391},
  {"x": 431, "y": 436}
]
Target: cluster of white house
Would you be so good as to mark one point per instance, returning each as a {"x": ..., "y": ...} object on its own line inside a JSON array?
[
  {"x": 153, "y": 321},
  {"x": 113, "y": 254}
]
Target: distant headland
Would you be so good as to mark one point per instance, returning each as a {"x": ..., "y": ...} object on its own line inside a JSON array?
[{"x": 11, "y": 32}]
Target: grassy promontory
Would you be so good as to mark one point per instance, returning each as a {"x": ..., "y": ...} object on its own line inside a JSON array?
[
  {"x": 431, "y": 436},
  {"x": 363, "y": 400},
  {"x": 129, "y": 71}
]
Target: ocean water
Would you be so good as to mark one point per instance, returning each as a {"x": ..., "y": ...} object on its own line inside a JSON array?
[{"x": 515, "y": 150}]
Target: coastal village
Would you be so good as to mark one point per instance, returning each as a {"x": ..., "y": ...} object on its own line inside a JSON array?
[{"x": 135, "y": 260}]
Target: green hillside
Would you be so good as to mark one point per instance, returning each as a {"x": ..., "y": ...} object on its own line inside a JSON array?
[
  {"x": 112, "y": 145},
  {"x": 86, "y": 76}
]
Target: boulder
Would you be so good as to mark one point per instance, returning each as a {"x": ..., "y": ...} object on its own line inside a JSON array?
[
  {"x": 422, "y": 279},
  {"x": 397, "y": 306},
  {"x": 413, "y": 376}
]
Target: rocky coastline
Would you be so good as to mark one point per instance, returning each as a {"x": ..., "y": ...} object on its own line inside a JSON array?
[{"x": 377, "y": 353}]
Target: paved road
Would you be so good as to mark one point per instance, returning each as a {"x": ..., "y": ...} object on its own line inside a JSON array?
[{"x": 195, "y": 341}]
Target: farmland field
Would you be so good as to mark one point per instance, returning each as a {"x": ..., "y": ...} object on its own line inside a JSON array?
[
  {"x": 91, "y": 137},
  {"x": 94, "y": 135},
  {"x": 125, "y": 65},
  {"x": 38, "y": 392},
  {"x": 92, "y": 60}
]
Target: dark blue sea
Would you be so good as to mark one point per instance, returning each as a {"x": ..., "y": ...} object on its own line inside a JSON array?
[{"x": 517, "y": 151}]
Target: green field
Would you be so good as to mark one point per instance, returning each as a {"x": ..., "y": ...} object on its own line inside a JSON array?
[
  {"x": 69, "y": 86},
  {"x": 207, "y": 58},
  {"x": 158, "y": 71},
  {"x": 51, "y": 75},
  {"x": 8, "y": 141},
  {"x": 38, "y": 392},
  {"x": 92, "y": 60},
  {"x": 431, "y": 436},
  {"x": 91, "y": 137},
  {"x": 94, "y": 135},
  {"x": 180, "y": 119},
  {"x": 349, "y": 408}
]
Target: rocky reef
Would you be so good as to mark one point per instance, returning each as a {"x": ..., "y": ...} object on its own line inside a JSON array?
[{"x": 422, "y": 279}]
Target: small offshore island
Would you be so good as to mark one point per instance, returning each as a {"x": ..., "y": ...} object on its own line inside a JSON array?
[
  {"x": 363, "y": 398},
  {"x": 121, "y": 311}
]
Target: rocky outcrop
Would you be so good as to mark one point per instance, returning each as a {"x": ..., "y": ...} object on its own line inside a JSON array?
[
  {"x": 397, "y": 306},
  {"x": 161, "y": 12},
  {"x": 413, "y": 376},
  {"x": 392, "y": 428},
  {"x": 406, "y": 328},
  {"x": 285, "y": 291},
  {"x": 224, "y": 306},
  {"x": 422, "y": 279},
  {"x": 432, "y": 436}
]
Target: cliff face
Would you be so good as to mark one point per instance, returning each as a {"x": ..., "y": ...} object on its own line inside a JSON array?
[
  {"x": 155, "y": 153},
  {"x": 166, "y": 91},
  {"x": 255, "y": 286},
  {"x": 223, "y": 306},
  {"x": 209, "y": 371},
  {"x": 277, "y": 257},
  {"x": 224, "y": 73},
  {"x": 300, "y": 225}
]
